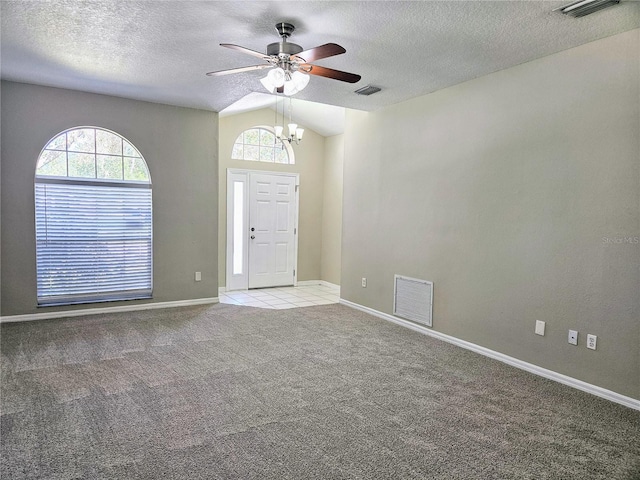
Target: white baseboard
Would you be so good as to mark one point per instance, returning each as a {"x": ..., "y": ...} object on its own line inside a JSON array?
[
  {"x": 93, "y": 311},
  {"x": 529, "y": 367},
  {"x": 306, "y": 283}
]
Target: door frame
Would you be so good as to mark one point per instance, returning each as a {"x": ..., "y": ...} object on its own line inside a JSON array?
[{"x": 241, "y": 281}]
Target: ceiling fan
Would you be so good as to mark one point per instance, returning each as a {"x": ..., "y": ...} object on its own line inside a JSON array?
[{"x": 290, "y": 63}]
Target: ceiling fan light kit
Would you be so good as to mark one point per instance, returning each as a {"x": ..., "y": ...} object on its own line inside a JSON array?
[
  {"x": 281, "y": 81},
  {"x": 297, "y": 83},
  {"x": 274, "y": 79},
  {"x": 289, "y": 62}
]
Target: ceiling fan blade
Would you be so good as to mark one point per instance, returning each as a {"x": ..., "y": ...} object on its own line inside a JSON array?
[
  {"x": 330, "y": 73},
  {"x": 323, "y": 51},
  {"x": 248, "y": 51},
  {"x": 239, "y": 70}
]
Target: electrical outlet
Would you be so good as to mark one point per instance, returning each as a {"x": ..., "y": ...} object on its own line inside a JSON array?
[
  {"x": 364, "y": 282},
  {"x": 540, "y": 327},
  {"x": 198, "y": 276},
  {"x": 591, "y": 341},
  {"x": 573, "y": 337}
]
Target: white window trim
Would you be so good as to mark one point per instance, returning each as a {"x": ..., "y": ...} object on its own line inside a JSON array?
[
  {"x": 287, "y": 146},
  {"x": 101, "y": 294}
]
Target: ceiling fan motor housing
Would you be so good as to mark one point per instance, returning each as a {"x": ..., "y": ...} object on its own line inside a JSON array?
[{"x": 285, "y": 48}]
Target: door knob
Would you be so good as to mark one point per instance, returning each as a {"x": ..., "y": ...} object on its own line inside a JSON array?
[
  {"x": 253, "y": 229},
  {"x": 252, "y": 237}
]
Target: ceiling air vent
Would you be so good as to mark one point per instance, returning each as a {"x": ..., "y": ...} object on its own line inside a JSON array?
[
  {"x": 367, "y": 90},
  {"x": 585, "y": 7}
]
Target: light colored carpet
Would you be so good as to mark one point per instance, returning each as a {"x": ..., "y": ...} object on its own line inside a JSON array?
[{"x": 326, "y": 392}]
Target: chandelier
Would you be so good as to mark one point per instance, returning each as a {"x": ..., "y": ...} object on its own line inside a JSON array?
[{"x": 294, "y": 133}]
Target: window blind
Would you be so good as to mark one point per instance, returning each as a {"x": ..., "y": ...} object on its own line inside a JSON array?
[{"x": 94, "y": 242}]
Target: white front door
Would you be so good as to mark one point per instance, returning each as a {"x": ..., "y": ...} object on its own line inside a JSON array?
[
  {"x": 272, "y": 230},
  {"x": 261, "y": 229}
]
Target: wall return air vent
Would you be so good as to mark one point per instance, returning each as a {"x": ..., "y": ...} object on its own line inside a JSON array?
[
  {"x": 585, "y": 7},
  {"x": 413, "y": 299}
]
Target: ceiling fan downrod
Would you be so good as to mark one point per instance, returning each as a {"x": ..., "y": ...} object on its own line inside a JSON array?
[{"x": 283, "y": 49}]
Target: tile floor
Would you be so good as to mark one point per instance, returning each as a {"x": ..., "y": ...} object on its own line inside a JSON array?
[{"x": 283, "y": 297}]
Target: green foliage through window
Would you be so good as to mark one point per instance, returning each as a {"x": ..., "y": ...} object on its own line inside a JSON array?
[
  {"x": 93, "y": 215},
  {"x": 92, "y": 153},
  {"x": 259, "y": 144}
]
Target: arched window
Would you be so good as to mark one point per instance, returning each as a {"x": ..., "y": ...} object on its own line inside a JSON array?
[
  {"x": 259, "y": 144},
  {"x": 93, "y": 219}
]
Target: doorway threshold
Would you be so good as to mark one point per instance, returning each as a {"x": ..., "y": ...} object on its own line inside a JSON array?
[{"x": 283, "y": 297}]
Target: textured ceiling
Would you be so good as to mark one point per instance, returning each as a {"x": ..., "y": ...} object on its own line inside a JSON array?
[
  {"x": 327, "y": 120},
  {"x": 159, "y": 51}
]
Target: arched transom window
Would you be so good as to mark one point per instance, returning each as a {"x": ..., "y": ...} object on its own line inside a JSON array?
[
  {"x": 260, "y": 144},
  {"x": 93, "y": 219}
]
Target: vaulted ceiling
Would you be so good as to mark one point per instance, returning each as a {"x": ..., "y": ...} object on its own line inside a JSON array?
[{"x": 159, "y": 51}]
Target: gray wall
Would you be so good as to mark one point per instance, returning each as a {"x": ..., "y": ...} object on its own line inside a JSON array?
[
  {"x": 506, "y": 192},
  {"x": 332, "y": 209},
  {"x": 181, "y": 150},
  {"x": 309, "y": 164}
]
